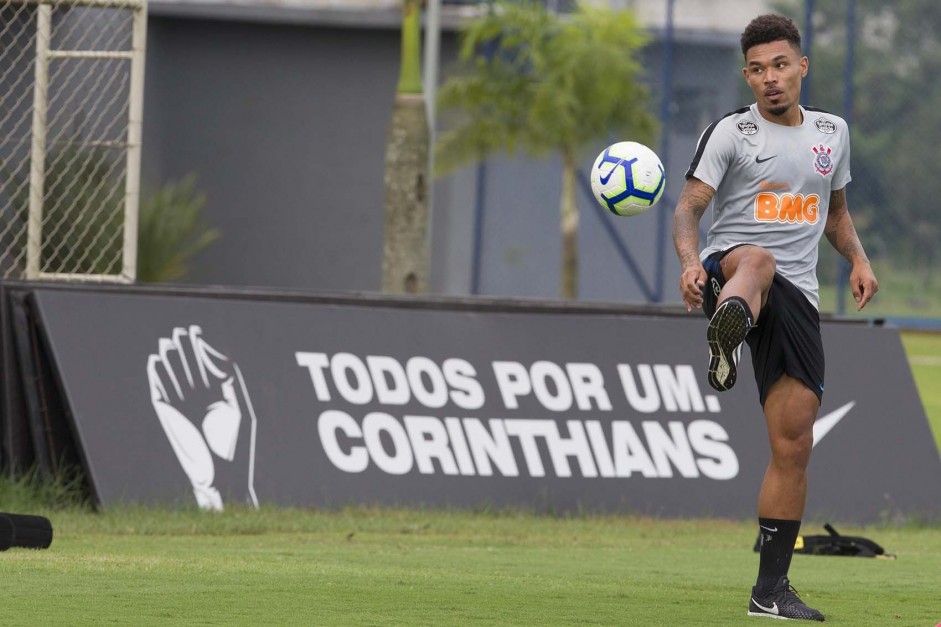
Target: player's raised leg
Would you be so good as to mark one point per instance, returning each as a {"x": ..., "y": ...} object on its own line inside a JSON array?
[{"x": 748, "y": 272}]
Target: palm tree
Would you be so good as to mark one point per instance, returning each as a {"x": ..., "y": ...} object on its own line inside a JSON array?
[{"x": 538, "y": 82}]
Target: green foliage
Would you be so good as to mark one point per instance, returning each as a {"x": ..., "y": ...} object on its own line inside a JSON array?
[
  {"x": 171, "y": 231},
  {"x": 30, "y": 493},
  {"x": 533, "y": 81}
]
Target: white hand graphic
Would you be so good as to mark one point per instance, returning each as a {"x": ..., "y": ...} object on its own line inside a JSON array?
[{"x": 196, "y": 392}]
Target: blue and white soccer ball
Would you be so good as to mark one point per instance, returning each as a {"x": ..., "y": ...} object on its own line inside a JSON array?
[{"x": 627, "y": 178}]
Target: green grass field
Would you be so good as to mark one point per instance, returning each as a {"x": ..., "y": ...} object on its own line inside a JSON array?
[
  {"x": 924, "y": 355},
  {"x": 365, "y": 567},
  {"x": 393, "y": 567}
]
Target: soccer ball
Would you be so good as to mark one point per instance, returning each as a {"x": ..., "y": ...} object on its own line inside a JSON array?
[{"x": 627, "y": 178}]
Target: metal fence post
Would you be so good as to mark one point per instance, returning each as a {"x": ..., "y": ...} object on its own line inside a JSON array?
[
  {"x": 843, "y": 269},
  {"x": 37, "y": 171},
  {"x": 665, "y": 101},
  {"x": 135, "y": 124}
]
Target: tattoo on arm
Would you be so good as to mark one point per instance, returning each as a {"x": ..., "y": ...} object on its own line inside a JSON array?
[
  {"x": 690, "y": 207},
  {"x": 840, "y": 230}
]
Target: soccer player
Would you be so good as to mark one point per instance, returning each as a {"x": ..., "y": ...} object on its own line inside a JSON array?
[{"x": 777, "y": 173}]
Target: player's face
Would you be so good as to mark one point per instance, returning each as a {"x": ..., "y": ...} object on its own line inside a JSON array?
[{"x": 774, "y": 72}]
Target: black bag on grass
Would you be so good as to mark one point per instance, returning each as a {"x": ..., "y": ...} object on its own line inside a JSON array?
[
  {"x": 23, "y": 530},
  {"x": 836, "y": 544}
]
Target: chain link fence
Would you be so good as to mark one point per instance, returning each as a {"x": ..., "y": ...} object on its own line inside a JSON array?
[{"x": 71, "y": 87}]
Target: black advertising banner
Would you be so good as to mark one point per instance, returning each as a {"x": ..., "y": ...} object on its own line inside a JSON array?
[{"x": 313, "y": 404}]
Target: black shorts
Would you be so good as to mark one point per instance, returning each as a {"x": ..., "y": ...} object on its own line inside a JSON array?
[{"x": 786, "y": 339}]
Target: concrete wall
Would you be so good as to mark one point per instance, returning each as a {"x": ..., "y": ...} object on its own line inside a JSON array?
[{"x": 285, "y": 126}]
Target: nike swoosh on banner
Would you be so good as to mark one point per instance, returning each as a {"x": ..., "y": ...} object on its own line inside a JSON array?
[
  {"x": 771, "y": 610},
  {"x": 825, "y": 423}
]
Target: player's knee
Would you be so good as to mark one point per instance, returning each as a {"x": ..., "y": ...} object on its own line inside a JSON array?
[
  {"x": 792, "y": 449},
  {"x": 759, "y": 262}
]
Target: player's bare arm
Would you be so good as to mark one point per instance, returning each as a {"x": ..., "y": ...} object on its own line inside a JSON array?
[
  {"x": 693, "y": 201},
  {"x": 842, "y": 235}
]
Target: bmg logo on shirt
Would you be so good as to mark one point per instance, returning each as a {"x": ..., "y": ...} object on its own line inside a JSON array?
[{"x": 787, "y": 208}]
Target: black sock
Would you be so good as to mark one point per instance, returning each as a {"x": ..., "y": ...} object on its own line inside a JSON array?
[{"x": 777, "y": 547}]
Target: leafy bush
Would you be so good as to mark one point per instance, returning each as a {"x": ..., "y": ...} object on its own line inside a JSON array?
[{"x": 171, "y": 230}]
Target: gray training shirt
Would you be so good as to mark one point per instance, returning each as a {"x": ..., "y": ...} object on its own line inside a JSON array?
[{"x": 773, "y": 186}]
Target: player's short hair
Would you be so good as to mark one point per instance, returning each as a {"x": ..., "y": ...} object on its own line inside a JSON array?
[{"x": 767, "y": 28}]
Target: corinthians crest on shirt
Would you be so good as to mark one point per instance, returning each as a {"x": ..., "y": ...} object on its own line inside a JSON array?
[{"x": 823, "y": 162}]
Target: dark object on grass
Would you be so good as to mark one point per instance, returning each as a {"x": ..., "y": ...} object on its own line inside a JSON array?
[
  {"x": 836, "y": 544},
  {"x": 23, "y": 530}
]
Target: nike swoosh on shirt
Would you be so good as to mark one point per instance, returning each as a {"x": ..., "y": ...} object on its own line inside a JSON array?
[
  {"x": 760, "y": 160},
  {"x": 825, "y": 423}
]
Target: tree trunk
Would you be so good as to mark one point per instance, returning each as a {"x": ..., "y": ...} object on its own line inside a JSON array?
[
  {"x": 569, "y": 271},
  {"x": 405, "y": 256},
  {"x": 405, "y": 251}
]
